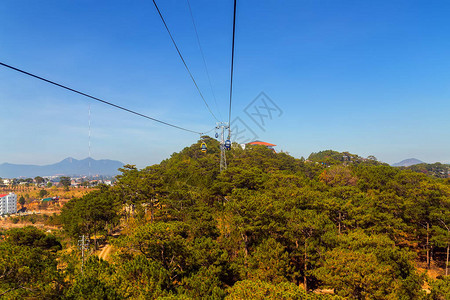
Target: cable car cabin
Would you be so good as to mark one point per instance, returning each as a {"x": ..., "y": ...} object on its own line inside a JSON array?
[
  {"x": 203, "y": 147},
  {"x": 228, "y": 144}
]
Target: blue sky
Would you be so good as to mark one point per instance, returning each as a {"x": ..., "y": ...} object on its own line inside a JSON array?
[{"x": 369, "y": 77}]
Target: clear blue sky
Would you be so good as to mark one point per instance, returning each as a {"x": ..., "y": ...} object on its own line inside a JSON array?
[{"x": 369, "y": 77}]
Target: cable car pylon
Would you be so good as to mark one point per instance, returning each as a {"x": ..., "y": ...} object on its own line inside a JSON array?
[{"x": 222, "y": 126}]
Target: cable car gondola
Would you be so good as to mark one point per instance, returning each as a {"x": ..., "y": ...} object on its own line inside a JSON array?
[
  {"x": 228, "y": 144},
  {"x": 203, "y": 147}
]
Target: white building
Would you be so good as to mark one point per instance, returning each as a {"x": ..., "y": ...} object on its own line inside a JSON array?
[{"x": 8, "y": 203}]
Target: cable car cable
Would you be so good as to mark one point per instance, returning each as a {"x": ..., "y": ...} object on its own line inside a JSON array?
[
  {"x": 203, "y": 57},
  {"x": 184, "y": 62},
  {"x": 208, "y": 131},
  {"x": 98, "y": 99},
  {"x": 232, "y": 63}
]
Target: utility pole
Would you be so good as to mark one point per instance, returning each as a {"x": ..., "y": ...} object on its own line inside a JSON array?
[
  {"x": 83, "y": 244},
  {"x": 89, "y": 158},
  {"x": 222, "y": 126}
]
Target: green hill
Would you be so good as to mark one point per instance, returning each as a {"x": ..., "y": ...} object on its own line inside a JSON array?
[
  {"x": 437, "y": 169},
  {"x": 270, "y": 226}
]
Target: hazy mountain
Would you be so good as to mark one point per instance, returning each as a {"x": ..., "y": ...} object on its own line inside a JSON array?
[
  {"x": 408, "y": 162},
  {"x": 69, "y": 167}
]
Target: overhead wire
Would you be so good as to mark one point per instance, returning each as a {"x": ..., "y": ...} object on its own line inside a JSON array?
[
  {"x": 203, "y": 57},
  {"x": 232, "y": 66},
  {"x": 184, "y": 62},
  {"x": 98, "y": 99},
  {"x": 208, "y": 131}
]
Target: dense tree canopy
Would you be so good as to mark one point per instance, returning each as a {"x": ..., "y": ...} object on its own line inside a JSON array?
[
  {"x": 268, "y": 227},
  {"x": 28, "y": 267}
]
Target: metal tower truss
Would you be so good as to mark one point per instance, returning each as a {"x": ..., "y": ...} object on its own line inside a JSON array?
[{"x": 222, "y": 126}]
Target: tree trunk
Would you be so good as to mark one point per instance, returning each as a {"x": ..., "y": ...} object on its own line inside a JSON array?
[
  {"x": 339, "y": 222},
  {"x": 446, "y": 263},
  {"x": 428, "y": 248},
  {"x": 95, "y": 241},
  {"x": 296, "y": 247},
  {"x": 151, "y": 212},
  {"x": 305, "y": 282},
  {"x": 245, "y": 240}
]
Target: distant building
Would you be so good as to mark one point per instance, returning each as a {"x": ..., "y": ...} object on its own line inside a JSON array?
[
  {"x": 50, "y": 199},
  {"x": 268, "y": 145},
  {"x": 8, "y": 203}
]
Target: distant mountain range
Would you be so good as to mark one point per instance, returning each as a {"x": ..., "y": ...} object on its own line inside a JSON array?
[
  {"x": 408, "y": 162},
  {"x": 67, "y": 167}
]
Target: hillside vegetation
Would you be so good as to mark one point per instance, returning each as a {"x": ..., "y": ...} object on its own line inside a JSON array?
[
  {"x": 268, "y": 227},
  {"x": 437, "y": 169}
]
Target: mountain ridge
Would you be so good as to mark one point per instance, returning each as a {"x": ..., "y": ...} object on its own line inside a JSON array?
[
  {"x": 68, "y": 166},
  {"x": 408, "y": 162}
]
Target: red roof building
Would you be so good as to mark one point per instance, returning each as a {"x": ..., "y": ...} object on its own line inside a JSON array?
[
  {"x": 268, "y": 145},
  {"x": 261, "y": 143},
  {"x": 8, "y": 204}
]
